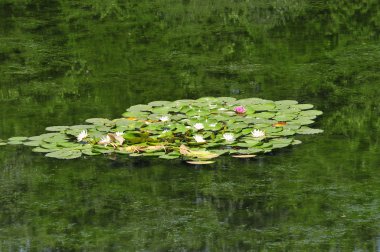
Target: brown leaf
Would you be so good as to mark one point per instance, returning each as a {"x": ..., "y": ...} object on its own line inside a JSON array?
[
  {"x": 134, "y": 148},
  {"x": 155, "y": 147},
  {"x": 279, "y": 124},
  {"x": 200, "y": 162},
  {"x": 202, "y": 154},
  {"x": 184, "y": 150}
]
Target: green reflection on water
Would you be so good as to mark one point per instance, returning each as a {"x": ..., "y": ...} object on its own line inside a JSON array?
[{"x": 64, "y": 61}]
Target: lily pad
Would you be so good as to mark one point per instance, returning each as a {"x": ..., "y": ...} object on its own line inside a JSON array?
[
  {"x": 303, "y": 106},
  {"x": 265, "y": 115},
  {"x": 140, "y": 107},
  {"x": 32, "y": 143},
  {"x": 159, "y": 103},
  {"x": 296, "y": 142},
  {"x": 201, "y": 162},
  {"x": 99, "y": 121},
  {"x": 308, "y": 131},
  {"x": 64, "y": 154},
  {"x": 195, "y": 130},
  {"x": 17, "y": 139},
  {"x": 43, "y": 150},
  {"x": 57, "y": 128},
  {"x": 286, "y": 102},
  {"x": 81, "y": 127},
  {"x": 168, "y": 157},
  {"x": 311, "y": 113},
  {"x": 264, "y": 107},
  {"x": 243, "y": 156}
]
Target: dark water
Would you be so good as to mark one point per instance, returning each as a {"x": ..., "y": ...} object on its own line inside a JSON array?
[{"x": 64, "y": 61}]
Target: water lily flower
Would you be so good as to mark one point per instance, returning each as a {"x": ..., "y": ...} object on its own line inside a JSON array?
[
  {"x": 164, "y": 118},
  {"x": 240, "y": 110},
  {"x": 258, "y": 133},
  {"x": 165, "y": 131},
  {"x": 82, "y": 135},
  {"x": 199, "y": 139},
  {"x": 212, "y": 125},
  {"x": 229, "y": 137},
  {"x": 199, "y": 126},
  {"x": 105, "y": 140},
  {"x": 118, "y": 133}
]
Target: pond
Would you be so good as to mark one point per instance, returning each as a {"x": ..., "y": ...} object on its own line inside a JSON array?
[{"x": 62, "y": 62}]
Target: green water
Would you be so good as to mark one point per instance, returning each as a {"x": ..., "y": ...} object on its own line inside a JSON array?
[{"x": 63, "y": 61}]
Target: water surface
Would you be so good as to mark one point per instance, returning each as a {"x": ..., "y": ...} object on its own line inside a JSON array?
[{"x": 62, "y": 62}]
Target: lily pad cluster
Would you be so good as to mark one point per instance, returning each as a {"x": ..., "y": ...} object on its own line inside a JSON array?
[{"x": 194, "y": 130}]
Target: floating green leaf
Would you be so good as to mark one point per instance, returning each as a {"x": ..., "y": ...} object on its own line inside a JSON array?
[
  {"x": 139, "y": 107},
  {"x": 43, "y": 150},
  {"x": 32, "y": 143},
  {"x": 194, "y": 130},
  {"x": 168, "y": 157},
  {"x": 159, "y": 103},
  {"x": 99, "y": 121},
  {"x": 14, "y": 142},
  {"x": 303, "y": 106},
  {"x": 64, "y": 154},
  {"x": 57, "y": 128},
  {"x": 307, "y": 131},
  {"x": 17, "y": 139}
]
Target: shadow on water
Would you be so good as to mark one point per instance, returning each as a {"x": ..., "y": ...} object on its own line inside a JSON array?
[{"x": 64, "y": 61}]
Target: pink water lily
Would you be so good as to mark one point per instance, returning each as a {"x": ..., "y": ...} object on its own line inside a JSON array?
[{"x": 240, "y": 110}]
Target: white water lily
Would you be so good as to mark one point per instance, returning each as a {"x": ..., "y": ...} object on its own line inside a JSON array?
[
  {"x": 165, "y": 131},
  {"x": 199, "y": 126},
  {"x": 199, "y": 139},
  {"x": 229, "y": 137},
  {"x": 164, "y": 118},
  {"x": 258, "y": 133},
  {"x": 118, "y": 133},
  {"x": 212, "y": 125},
  {"x": 82, "y": 135},
  {"x": 105, "y": 140}
]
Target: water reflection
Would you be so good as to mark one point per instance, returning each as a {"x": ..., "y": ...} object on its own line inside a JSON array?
[{"x": 63, "y": 61}]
